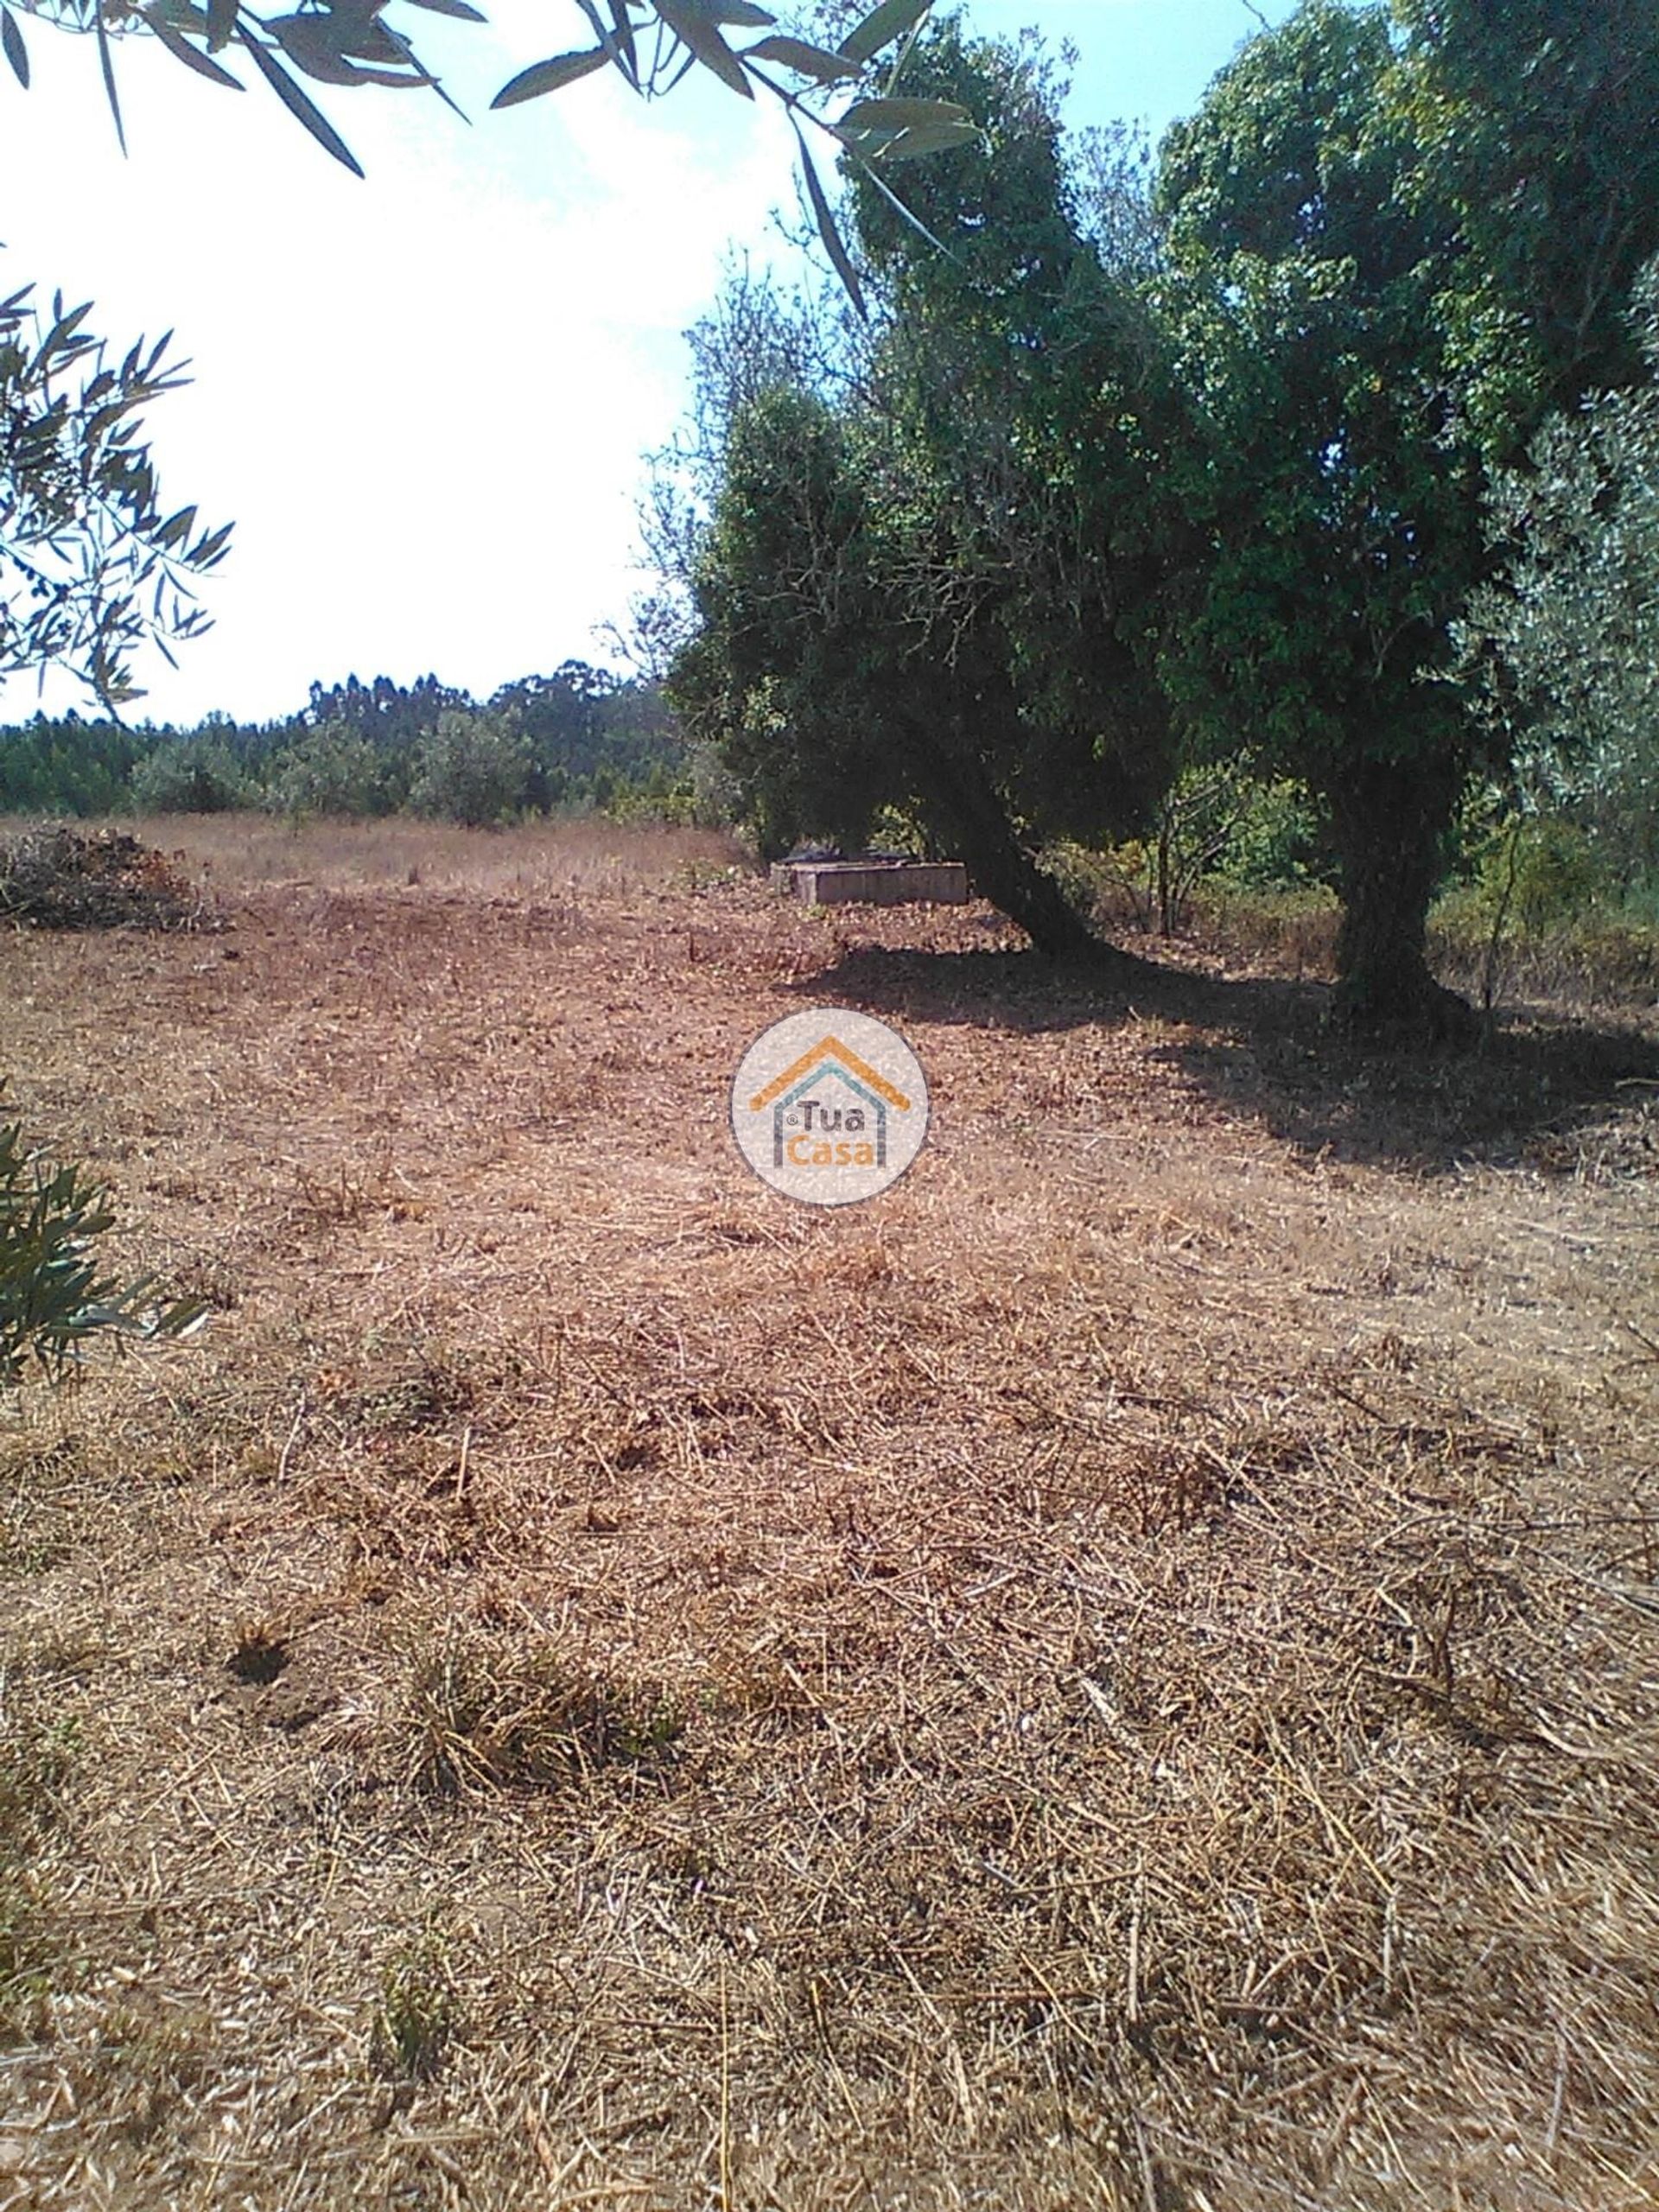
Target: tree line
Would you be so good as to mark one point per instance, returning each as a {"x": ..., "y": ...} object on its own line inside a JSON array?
[{"x": 580, "y": 738}]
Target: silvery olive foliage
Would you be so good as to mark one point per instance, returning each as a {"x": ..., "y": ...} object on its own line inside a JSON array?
[
  {"x": 845, "y": 96},
  {"x": 1562, "y": 646},
  {"x": 54, "y": 1301},
  {"x": 92, "y": 564}
]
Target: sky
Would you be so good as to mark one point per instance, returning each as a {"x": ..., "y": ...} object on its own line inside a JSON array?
[{"x": 425, "y": 397}]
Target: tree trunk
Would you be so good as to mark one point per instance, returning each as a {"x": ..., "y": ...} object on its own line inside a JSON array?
[
  {"x": 1003, "y": 872},
  {"x": 1389, "y": 820},
  {"x": 965, "y": 806}
]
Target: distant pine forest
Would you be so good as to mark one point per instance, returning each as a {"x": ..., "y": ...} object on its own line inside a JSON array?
[{"x": 581, "y": 740}]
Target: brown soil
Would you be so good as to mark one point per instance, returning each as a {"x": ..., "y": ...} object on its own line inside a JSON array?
[{"x": 1121, "y": 1674}]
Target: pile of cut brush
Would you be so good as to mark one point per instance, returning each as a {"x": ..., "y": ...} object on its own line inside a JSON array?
[{"x": 60, "y": 879}]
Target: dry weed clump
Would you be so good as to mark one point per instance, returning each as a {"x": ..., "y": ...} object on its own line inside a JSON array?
[
  {"x": 1582, "y": 960},
  {"x": 488, "y": 1710},
  {"x": 1119, "y": 1677},
  {"x": 415, "y": 2017},
  {"x": 55, "y": 878}
]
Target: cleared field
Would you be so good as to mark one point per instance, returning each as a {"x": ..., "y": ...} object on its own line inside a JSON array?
[{"x": 1122, "y": 1673}]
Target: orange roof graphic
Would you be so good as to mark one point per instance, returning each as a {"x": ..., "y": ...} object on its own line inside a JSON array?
[{"x": 830, "y": 1048}]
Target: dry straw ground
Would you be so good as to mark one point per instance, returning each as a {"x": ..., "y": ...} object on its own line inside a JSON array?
[{"x": 1121, "y": 1675}]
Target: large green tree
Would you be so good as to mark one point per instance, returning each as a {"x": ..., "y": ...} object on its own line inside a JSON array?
[
  {"x": 1208, "y": 481},
  {"x": 1366, "y": 332},
  {"x": 822, "y": 668},
  {"x": 924, "y": 582},
  {"x": 1337, "y": 483}
]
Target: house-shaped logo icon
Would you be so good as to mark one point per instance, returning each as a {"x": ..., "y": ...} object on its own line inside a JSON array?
[
  {"x": 829, "y": 1106},
  {"x": 800, "y": 1087}
]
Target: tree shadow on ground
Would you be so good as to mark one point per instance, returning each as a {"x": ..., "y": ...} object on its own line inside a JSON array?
[{"x": 1549, "y": 1092}]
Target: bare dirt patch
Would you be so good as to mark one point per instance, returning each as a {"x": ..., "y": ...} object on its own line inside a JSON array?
[{"x": 1119, "y": 1675}]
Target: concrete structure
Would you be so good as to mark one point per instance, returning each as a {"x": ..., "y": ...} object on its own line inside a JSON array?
[{"x": 873, "y": 882}]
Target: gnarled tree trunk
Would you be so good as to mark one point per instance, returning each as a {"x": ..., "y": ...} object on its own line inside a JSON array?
[
  {"x": 1389, "y": 820},
  {"x": 963, "y": 806}
]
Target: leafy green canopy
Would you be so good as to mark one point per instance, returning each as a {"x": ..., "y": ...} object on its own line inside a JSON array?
[
  {"x": 1361, "y": 337},
  {"x": 1336, "y": 480},
  {"x": 1203, "y": 478},
  {"x": 1537, "y": 124},
  {"x": 911, "y": 589},
  {"x": 1028, "y": 399}
]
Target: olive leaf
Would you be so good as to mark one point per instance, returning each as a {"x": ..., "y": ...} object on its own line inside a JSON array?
[
  {"x": 299, "y": 106},
  {"x": 549, "y": 76},
  {"x": 180, "y": 47},
  {"x": 12, "y": 39},
  {"x": 823, "y": 215},
  {"x": 890, "y": 21},
  {"x": 108, "y": 69},
  {"x": 805, "y": 59},
  {"x": 698, "y": 33}
]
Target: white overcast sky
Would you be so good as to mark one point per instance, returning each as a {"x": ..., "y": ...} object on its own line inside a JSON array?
[{"x": 425, "y": 398}]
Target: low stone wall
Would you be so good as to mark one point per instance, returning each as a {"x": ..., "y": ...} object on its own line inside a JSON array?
[{"x": 873, "y": 883}]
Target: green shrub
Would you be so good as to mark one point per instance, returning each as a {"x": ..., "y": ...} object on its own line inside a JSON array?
[
  {"x": 1552, "y": 867},
  {"x": 1217, "y": 826},
  {"x": 332, "y": 771},
  {"x": 1604, "y": 956},
  {"x": 52, "y": 1298},
  {"x": 473, "y": 769},
  {"x": 193, "y": 775},
  {"x": 1274, "y": 842}
]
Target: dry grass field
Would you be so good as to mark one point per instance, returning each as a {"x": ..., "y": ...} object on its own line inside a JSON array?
[{"x": 1124, "y": 1673}]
